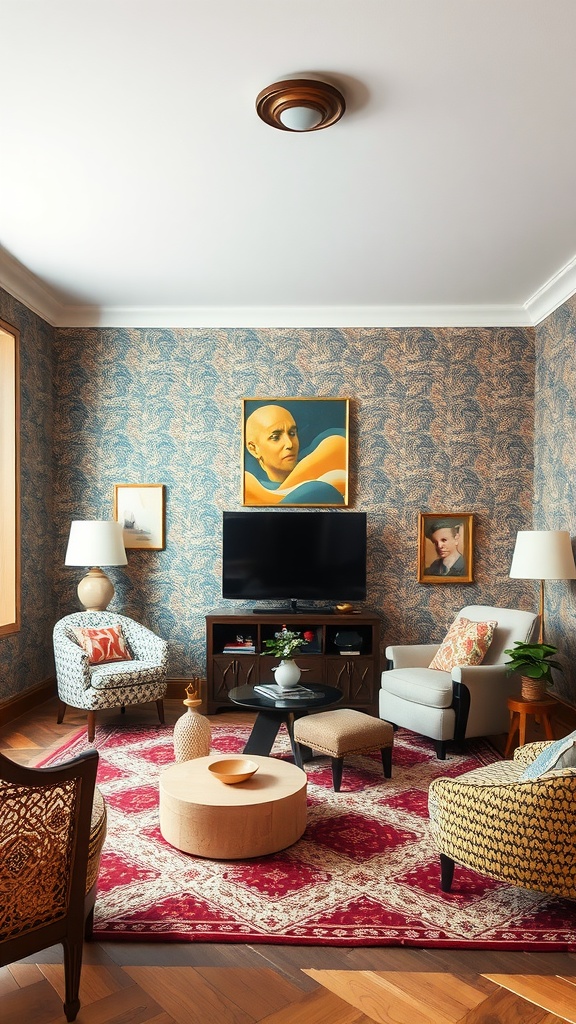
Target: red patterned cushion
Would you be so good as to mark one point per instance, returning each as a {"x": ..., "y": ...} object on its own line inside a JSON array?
[
  {"x": 465, "y": 643},
  {"x": 102, "y": 645}
]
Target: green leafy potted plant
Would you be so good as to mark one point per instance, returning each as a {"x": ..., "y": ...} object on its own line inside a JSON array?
[{"x": 534, "y": 663}]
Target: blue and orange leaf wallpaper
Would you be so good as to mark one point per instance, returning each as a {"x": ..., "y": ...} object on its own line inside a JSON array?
[{"x": 476, "y": 420}]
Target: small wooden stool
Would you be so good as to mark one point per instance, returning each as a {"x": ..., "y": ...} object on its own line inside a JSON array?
[
  {"x": 520, "y": 710},
  {"x": 341, "y": 732}
]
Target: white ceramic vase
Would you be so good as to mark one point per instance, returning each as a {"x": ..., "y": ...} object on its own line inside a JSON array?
[{"x": 287, "y": 674}]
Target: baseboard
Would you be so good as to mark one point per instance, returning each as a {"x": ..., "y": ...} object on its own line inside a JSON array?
[
  {"x": 13, "y": 707},
  {"x": 177, "y": 691},
  {"x": 564, "y": 716}
]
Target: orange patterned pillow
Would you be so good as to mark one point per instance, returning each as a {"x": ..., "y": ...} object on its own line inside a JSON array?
[
  {"x": 465, "y": 643},
  {"x": 102, "y": 645}
]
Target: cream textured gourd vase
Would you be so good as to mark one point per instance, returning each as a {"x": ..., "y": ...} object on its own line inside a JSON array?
[
  {"x": 192, "y": 732},
  {"x": 287, "y": 674}
]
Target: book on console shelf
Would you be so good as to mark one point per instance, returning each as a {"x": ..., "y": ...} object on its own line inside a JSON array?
[
  {"x": 346, "y": 653},
  {"x": 276, "y": 692},
  {"x": 239, "y": 648}
]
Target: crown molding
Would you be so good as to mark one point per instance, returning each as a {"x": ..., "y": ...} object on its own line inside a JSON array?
[
  {"x": 557, "y": 290},
  {"x": 297, "y": 317},
  {"x": 28, "y": 289},
  {"x": 42, "y": 300}
]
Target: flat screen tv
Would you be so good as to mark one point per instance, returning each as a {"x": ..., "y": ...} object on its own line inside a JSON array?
[{"x": 294, "y": 556}]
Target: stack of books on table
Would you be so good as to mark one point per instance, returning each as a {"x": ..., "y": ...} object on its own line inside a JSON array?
[
  {"x": 239, "y": 647},
  {"x": 276, "y": 692}
]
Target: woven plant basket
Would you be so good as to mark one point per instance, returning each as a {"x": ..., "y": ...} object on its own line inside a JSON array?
[{"x": 533, "y": 689}]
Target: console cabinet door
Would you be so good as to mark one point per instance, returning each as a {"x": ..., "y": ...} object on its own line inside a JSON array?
[
  {"x": 228, "y": 672},
  {"x": 355, "y": 677}
]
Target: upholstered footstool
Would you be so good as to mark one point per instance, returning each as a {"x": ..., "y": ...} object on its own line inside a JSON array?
[{"x": 341, "y": 732}]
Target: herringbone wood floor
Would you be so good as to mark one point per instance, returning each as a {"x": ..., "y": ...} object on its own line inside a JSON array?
[{"x": 195, "y": 983}]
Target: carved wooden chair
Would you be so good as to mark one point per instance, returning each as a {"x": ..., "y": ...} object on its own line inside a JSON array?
[{"x": 52, "y": 829}]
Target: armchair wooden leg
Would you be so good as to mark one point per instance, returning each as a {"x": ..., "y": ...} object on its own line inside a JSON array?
[
  {"x": 61, "y": 711},
  {"x": 160, "y": 706},
  {"x": 91, "y": 725},
  {"x": 446, "y": 872},
  {"x": 441, "y": 750}
]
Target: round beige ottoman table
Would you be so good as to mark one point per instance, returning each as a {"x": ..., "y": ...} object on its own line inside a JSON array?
[{"x": 199, "y": 814}]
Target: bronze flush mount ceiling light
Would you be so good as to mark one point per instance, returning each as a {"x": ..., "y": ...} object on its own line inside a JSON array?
[{"x": 300, "y": 105}]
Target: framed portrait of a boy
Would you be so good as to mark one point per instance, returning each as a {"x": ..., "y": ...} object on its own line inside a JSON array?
[
  {"x": 445, "y": 547},
  {"x": 295, "y": 452}
]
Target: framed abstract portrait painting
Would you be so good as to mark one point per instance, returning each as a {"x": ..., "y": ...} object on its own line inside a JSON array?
[
  {"x": 445, "y": 547},
  {"x": 295, "y": 452}
]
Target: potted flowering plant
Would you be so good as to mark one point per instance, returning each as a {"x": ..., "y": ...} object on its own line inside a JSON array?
[
  {"x": 284, "y": 644},
  {"x": 287, "y": 642}
]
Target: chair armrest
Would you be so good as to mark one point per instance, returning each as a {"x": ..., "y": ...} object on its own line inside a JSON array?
[
  {"x": 411, "y": 655},
  {"x": 487, "y": 688},
  {"x": 146, "y": 645},
  {"x": 479, "y": 675},
  {"x": 529, "y": 751},
  {"x": 71, "y": 661}
]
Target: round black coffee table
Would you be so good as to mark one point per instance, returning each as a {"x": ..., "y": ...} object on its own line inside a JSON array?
[{"x": 271, "y": 714}]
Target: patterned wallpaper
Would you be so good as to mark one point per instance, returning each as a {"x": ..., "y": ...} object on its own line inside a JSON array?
[
  {"x": 555, "y": 473},
  {"x": 441, "y": 420},
  {"x": 26, "y": 657}
]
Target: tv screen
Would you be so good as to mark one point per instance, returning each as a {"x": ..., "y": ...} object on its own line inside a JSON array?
[{"x": 294, "y": 556}]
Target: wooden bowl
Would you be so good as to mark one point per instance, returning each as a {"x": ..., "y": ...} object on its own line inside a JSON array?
[{"x": 233, "y": 769}]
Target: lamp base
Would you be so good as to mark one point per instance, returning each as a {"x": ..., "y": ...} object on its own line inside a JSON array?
[{"x": 95, "y": 590}]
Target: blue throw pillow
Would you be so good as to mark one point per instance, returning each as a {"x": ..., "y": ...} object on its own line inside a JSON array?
[{"x": 561, "y": 754}]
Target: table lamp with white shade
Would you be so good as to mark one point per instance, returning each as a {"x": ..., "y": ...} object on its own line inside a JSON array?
[
  {"x": 95, "y": 542},
  {"x": 543, "y": 555}
]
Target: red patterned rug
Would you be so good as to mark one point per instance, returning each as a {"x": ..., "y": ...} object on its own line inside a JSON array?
[{"x": 365, "y": 872}]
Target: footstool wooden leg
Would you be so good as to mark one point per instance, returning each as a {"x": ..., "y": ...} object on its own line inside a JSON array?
[
  {"x": 386, "y": 753},
  {"x": 337, "y": 764}
]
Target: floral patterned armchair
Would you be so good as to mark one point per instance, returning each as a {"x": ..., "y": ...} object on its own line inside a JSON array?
[{"x": 113, "y": 684}]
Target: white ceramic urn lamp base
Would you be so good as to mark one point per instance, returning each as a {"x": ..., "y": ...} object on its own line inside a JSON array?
[{"x": 95, "y": 590}]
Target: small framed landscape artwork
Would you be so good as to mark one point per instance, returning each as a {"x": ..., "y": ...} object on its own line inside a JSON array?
[
  {"x": 295, "y": 452},
  {"x": 445, "y": 547},
  {"x": 140, "y": 510}
]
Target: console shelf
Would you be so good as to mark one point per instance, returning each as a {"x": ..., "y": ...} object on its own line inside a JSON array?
[{"x": 357, "y": 675}]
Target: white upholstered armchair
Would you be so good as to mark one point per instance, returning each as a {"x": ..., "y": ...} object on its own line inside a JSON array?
[
  {"x": 112, "y": 684},
  {"x": 469, "y": 700}
]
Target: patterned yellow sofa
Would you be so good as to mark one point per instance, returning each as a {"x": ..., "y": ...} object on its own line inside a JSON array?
[{"x": 520, "y": 832}]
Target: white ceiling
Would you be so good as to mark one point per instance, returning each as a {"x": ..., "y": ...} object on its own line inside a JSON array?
[{"x": 138, "y": 186}]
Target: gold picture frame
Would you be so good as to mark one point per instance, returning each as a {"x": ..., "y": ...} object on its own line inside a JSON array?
[
  {"x": 140, "y": 509},
  {"x": 295, "y": 452},
  {"x": 445, "y": 547}
]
